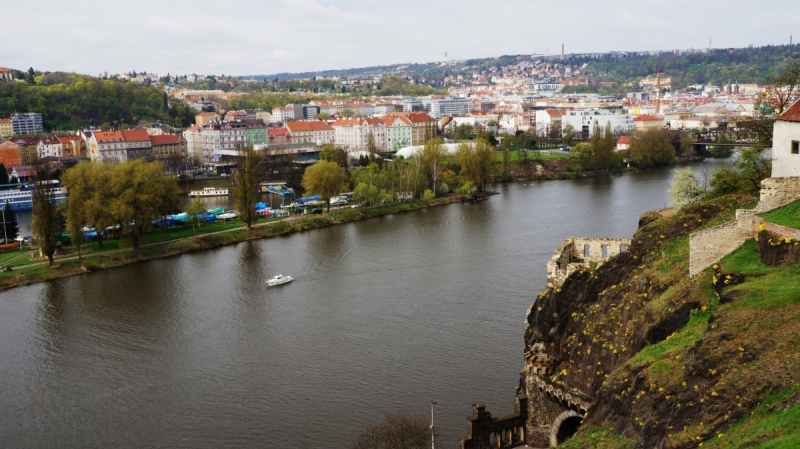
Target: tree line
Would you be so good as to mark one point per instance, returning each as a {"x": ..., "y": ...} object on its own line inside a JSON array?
[
  {"x": 433, "y": 171},
  {"x": 69, "y": 101},
  {"x": 125, "y": 197}
]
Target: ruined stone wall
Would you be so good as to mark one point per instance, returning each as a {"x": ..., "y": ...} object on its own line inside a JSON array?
[
  {"x": 778, "y": 192},
  {"x": 572, "y": 256}
]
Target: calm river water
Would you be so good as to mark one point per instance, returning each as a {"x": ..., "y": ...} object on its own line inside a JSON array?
[{"x": 385, "y": 315}]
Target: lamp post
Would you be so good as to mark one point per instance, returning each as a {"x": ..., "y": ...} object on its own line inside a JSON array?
[{"x": 433, "y": 435}]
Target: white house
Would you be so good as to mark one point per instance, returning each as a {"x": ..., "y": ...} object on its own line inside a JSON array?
[{"x": 786, "y": 144}]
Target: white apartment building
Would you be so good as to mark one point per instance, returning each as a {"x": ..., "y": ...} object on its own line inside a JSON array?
[
  {"x": 584, "y": 121},
  {"x": 107, "y": 146},
  {"x": 548, "y": 122},
  {"x": 282, "y": 114},
  {"x": 446, "y": 106},
  {"x": 223, "y": 139},
  {"x": 353, "y": 134},
  {"x": 194, "y": 144},
  {"x": 49, "y": 147}
]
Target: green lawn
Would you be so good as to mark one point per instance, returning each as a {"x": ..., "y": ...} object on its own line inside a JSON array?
[
  {"x": 8, "y": 255},
  {"x": 788, "y": 215},
  {"x": 516, "y": 156},
  {"x": 745, "y": 259},
  {"x": 769, "y": 427}
]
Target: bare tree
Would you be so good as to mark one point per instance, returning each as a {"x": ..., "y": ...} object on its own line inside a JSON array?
[
  {"x": 781, "y": 88},
  {"x": 396, "y": 431},
  {"x": 48, "y": 222}
]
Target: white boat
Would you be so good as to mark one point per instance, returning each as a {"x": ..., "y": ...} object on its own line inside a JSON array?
[
  {"x": 209, "y": 191},
  {"x": 227, "y": 216},
  {"x": 279, "y": 279},
  {"x": 338, "y": 200}
]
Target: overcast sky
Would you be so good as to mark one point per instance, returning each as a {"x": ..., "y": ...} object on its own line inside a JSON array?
[{"x": 247, "y": 37}]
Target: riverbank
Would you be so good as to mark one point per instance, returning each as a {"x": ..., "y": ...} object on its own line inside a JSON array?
[{"x": 95, "y": 259}]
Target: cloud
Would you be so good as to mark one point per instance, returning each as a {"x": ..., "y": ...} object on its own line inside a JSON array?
[{"x": 252, "y": 36}]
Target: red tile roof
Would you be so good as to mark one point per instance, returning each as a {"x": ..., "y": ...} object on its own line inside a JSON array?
[
  {"x": 624, "y": 140},
  {"x": 277, "y": 131},
  {"x": 646, "y": 118},
  {"x": 166, "y": 139},
  {"x": 108, "y": 136},
  {"x": 792, "y": 114},
  {"x": 136, "y": 135}
]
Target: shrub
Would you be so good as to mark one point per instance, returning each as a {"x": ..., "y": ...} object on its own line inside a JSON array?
[{"x": 685, "y": 188}]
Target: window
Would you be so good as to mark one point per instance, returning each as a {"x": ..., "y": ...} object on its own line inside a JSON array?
[{"x": 795, "y": 147}]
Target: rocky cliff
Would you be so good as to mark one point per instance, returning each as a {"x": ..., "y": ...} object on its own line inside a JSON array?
[{"x": 636, "y": 353}]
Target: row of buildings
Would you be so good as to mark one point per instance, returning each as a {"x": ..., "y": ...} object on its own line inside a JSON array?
[
  {"x": 19, "y": 124},
  {"x": 96, "y": 145},
  {"x": 216, "y": 140}
]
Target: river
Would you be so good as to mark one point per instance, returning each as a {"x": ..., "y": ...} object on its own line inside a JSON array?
[{"x": 387, "y": 314}]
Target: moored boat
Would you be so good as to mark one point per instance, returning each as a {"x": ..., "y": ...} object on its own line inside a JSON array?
[{"x": 209, "y": 191}]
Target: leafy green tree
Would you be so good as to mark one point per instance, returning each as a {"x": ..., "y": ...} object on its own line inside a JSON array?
[
  {"x": 371, "y": 146},
  {"x": 246, "y": 179},
  {"x": 431, "y": 157},
  {"x": 142, "y": 193},
  {"x": 754, "y": 166},
  {"x": 428, "y": 196},
  {"x": 325, "y": 179},
  {"x": 3, "y": 174},
  {"x": 685, "y": 188},
  {"x": 477, "y": 162},
  {"x": 10, "y": 223},
  {"x": 47, "y": 223},
  {"x": 568, "y": 135},
  {"x": 196, "y": 207},
  {"x": 75, "y": 212},
  {"x": 652, "y": 148},
  {"x": 725, "y": 179}
]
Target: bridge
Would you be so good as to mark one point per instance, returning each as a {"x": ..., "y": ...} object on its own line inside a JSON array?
[{"x": 742, "y": 134}]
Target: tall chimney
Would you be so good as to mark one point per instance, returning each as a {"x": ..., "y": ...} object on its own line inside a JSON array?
[
  {"x": 562, "y": 52},
  {"x": 658, "y": 91}
]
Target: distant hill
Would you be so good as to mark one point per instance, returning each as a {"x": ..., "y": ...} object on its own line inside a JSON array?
[
  {"x": 715, "y": 66},
  {"x": 69, "y": 101}
]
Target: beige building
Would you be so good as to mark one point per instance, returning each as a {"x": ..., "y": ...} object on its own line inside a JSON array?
[
  {"x": 6, "y": 128},
  {"x": 168, "y": 146},
  {"x": 194, "y": 144},
  {"x": 204, "y": 117},
  {"x": 647, "y": 122}
]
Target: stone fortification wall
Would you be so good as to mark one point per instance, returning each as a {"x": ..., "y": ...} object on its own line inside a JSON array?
[
  {"x": 782, "y": 231},
  {"x": 578, "y": 253},
  {"x": 708, "y": 246},
  {"x": 778, "y": 192}
]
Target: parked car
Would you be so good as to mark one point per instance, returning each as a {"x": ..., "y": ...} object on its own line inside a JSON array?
[
  {"x": 225, "y": 175},
  {"x": 316, "y": 210}
]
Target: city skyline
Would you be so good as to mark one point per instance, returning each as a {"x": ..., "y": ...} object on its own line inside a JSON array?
[{"x": 253, "y": 38}]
